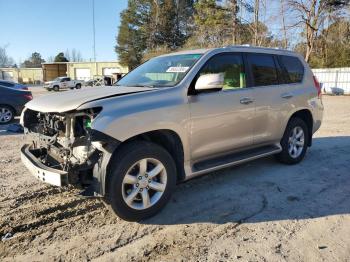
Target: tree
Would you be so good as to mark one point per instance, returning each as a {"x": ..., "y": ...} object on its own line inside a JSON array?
[
  {"x": 33, "y": 61},
  {"x": 148, "y": 26},
  {"x": 131, "y": 39},
  {"x": 332, "y": 47},
  {"x": 60, "y": 58},
  {"x": 311, "y": 14},
  {"x": 73, "y": 55},
  {"x": 212, "y": 24},
  {"x": 5, "y": 60}
]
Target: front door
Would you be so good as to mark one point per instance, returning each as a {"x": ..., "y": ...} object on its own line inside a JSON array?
[{"x": 222, "y": 120}]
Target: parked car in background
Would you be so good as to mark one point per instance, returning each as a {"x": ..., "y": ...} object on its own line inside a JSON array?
[
  {"x": 12, "y": 102},
  {"x": 175, "y": 117},
  {"x": 95, "y": 82},
  {"x": 63, "y": 83},
  {"x": 12, "y": 84}
]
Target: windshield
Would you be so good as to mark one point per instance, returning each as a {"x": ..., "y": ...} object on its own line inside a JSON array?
[
  {"x": 160, "y": 71},
  {"x": 57, "y": 79}
]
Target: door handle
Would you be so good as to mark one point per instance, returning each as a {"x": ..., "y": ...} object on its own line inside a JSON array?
[
  {"x": 246, "y": 100},
  {"x": 287, "y": 95}
]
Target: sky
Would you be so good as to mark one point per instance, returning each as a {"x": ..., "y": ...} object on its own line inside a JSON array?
[{"x": 52, "y": 26}]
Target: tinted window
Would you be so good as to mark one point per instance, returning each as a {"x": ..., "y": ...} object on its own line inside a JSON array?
[
  {"x": 294, "y": 69},
  {"x": 7, "y": 84},
  {"x": 263, "y": 69},
  {"x": 231, "y": 66}
]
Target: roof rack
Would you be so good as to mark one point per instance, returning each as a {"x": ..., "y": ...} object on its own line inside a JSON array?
[{"x": 257, "y": 47}]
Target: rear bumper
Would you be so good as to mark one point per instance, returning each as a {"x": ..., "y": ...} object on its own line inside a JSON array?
[{"x": 44, "y": 173}]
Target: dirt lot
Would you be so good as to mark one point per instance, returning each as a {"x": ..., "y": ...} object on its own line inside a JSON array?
[{"x": 260, "y": 211}]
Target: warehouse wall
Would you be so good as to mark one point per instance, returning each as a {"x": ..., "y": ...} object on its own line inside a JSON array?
[
  {"x": 22, "y": 75},
  {"x": 95, "y": 68}
]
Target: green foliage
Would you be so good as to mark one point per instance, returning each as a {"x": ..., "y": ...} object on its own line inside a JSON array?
[
  {"x": 60, "y": 58},
  {"x": 212, "y": 24},
  {"x": 33, "y": 61},
  {"x": 131, "y": 40},
  {"x": 332, "y": 48},
  {"x": 153, "y": 27}
]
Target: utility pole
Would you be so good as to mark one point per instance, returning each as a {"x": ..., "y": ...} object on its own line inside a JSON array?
[
  {"x": 94, "y": 41},
  {"x": 93, "y": 29}
]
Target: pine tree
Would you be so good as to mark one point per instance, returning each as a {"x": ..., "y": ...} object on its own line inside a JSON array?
[{"x": 131, "y": 39}]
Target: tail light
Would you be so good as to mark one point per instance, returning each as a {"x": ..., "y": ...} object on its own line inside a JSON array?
[
  {"x": 318, "y": 87},
  {"x": 28, "y": 96}
]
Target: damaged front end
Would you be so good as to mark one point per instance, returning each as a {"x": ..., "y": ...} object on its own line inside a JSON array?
[{"x": 64, "y": 149}]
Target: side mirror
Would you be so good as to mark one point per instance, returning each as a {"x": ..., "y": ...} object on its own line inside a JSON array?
[{"x": 210, "y": 82}]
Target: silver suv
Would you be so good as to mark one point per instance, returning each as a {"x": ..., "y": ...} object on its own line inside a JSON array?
[{"x": 173, "y": 118}]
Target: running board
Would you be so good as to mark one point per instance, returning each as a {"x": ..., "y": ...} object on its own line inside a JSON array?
[{"x": 233, "y": 159}]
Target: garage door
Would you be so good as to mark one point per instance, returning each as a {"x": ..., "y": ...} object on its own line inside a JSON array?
[
  {"x": 7, "y": 75},
  {"x": 82, "y": 74},
  {"x": 111, "y": 70}
]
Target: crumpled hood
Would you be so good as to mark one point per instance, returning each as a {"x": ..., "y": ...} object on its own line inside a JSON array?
[{"x": 72, "y": 99}]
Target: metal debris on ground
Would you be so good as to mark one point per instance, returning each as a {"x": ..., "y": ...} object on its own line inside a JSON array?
[{"x": 6, "y": 237}]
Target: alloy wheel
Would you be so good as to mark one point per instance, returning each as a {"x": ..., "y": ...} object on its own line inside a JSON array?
[
  {"x": 144, "y": 183},
  {"x": 296, "y": 142},
  {"x": 5, "y": 115}
]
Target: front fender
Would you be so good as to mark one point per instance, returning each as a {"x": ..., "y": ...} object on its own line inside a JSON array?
[{"x": 127, "y": 126}]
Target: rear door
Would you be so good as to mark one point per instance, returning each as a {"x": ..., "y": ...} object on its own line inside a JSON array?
[
  {"x": 222, "y": 120},
  {"x": 271, "y": 102}
]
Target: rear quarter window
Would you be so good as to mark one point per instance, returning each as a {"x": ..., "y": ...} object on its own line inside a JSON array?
[{"x": 294, "y": 69}]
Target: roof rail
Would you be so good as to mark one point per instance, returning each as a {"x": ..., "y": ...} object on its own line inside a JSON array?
[{"x": 257, "y": 47}]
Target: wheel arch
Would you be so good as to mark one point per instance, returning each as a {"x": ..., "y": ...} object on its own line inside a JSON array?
[
  {"x": 13, "y": 109},
  {"x": 306, "y": 116},
  {"x": 169, "y": 140}
]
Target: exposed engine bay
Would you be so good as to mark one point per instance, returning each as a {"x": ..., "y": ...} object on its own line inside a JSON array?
[{"x": 65, "y": 141}]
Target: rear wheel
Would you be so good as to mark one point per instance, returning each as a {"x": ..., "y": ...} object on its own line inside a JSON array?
[
  {"x": 78, "y": 86},
  {"x": 294, "y": 142},
  {"x": 7, "y": 114},
  {"x": 56, "y": 88},
  {"x": 141, "y": 180}
]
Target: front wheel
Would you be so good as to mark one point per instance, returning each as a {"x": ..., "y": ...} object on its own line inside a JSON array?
[
  {"x": 6, "y": 114},
  {"x": 78, "y": 86},
  {"x": 294, "y": 142},
  {"x": 56, "y": 88},
  {"x": 141, "y": 179}
]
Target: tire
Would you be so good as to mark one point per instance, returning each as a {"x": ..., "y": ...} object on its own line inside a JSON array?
[
  {"x": 56, "y": 88},
  {"x": 78, "y": 86},
  {"x": 7, "y": 114},
  {"x": 296, "y": 132},
  {"x": 128, "y": 160}
]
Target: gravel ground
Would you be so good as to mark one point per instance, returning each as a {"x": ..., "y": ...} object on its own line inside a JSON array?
[{"x": 260, "y": 211}]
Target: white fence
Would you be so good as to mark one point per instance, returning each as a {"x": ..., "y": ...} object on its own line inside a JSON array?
[{"x": 334, "y": 80}]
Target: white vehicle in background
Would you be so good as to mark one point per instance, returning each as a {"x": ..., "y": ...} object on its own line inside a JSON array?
[{"x": 63, "y": 83}]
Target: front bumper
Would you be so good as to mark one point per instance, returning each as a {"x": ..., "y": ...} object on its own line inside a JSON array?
[{"x": 44, "y": 173}]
